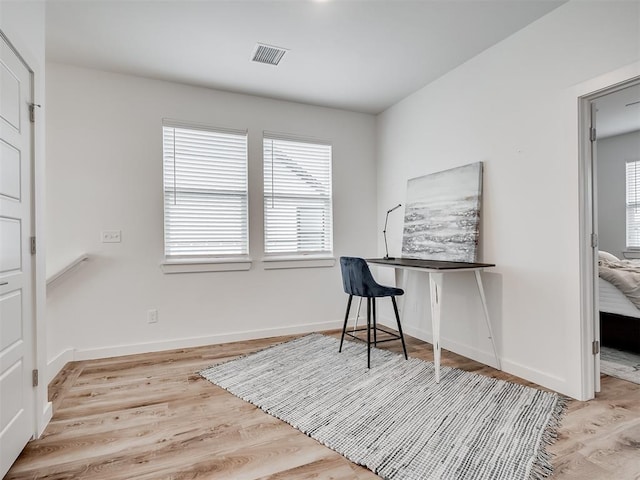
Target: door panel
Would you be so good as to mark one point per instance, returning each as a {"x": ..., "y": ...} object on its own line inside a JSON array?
[
  {"x": 9, "y": 171},
  {"x": 9, "y": 94},
  {"x": 16, "y": 277},
  {"x": 11, "y": 314},
  {"x": 11, "y": 241}
]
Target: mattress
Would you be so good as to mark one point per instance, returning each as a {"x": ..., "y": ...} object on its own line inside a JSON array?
[{"x": 613, "y": 300}]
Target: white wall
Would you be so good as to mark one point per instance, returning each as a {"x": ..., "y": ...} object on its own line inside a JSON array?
[
  {"x": 105, "y": 173},
  {"x": 23, "y": 24},
  {"x": 514, "y": 107},
  {"x": 613, "y": 153}
]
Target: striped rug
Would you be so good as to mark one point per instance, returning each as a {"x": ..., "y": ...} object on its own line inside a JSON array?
[{"x": 394, "y": 419}]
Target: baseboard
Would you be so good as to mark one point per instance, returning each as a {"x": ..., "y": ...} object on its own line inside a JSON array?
[
  {"x": 481, "y": 356},
  {"x": 58, "y": 362},
  {"x": 536, "y": 376},
  {"x": 47, "y": 414},
  {"x": 188, "y": 342}
]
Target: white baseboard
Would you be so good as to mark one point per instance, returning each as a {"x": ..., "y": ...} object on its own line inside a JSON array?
[
  {"x": 536, "y": 376},
  {"x": 58, "y": 362},
  {"x": 61, "y": 359},
  {"x": 47, "y": 414},
  {"x": 468, "y": 351},
  {"x": 487, "y": 358}
]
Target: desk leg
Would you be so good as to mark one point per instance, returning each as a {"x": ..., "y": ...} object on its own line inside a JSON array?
[
  {"x": 486, "y": 316},
  {"x": 435, "y": 287},
  {"x": 355, "y": 326}
]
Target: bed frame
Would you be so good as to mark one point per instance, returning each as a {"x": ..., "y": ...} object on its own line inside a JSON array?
[
  {"x": 619, "y": 319},
  {"x": 620, "y": 332}
]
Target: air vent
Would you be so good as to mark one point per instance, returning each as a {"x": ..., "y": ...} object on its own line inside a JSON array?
[{"x": 268, "y": 54}]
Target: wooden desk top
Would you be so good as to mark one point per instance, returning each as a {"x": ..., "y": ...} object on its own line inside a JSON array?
[{"x": 429, "y": 264}]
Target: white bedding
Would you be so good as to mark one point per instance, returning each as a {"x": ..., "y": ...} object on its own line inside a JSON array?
[{"x": 613, "y": 300}]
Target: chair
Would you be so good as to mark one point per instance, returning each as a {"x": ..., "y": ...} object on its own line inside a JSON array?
[{"x": 358, "y": 281}]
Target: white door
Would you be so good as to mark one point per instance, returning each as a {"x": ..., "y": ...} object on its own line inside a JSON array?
[{"x": 16, "y": 278}]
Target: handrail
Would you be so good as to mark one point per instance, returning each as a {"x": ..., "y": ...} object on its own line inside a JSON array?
[{"x": 71, "y": 266}]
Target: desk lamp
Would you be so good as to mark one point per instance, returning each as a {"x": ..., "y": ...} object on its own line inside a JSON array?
[{"x": 384, "y": 232}]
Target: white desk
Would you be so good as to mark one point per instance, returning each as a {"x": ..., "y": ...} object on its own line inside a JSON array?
[{"x": 436, "y": 270}]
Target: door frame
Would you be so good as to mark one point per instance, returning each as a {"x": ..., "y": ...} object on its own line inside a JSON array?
[{"x": 590, "y": 326}]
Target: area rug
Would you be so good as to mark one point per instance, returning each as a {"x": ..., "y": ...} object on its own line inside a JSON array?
[
  {"x": 394, "y": 419},
  {"x": 619, "y": 364}
]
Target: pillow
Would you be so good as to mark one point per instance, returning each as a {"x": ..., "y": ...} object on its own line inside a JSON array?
[{"x": 607, "y": 256}]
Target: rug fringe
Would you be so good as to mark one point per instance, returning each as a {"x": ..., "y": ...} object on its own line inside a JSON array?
[{"x": 542, "y": 467}]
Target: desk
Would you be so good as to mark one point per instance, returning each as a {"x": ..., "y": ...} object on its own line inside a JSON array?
[{"x": 436, "y": 270}]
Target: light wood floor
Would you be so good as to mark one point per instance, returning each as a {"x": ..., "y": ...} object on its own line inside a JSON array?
[{"x": 152, "y": 416}]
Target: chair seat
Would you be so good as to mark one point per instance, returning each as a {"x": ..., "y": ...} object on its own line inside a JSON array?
[{"x": 384, "y": 291}]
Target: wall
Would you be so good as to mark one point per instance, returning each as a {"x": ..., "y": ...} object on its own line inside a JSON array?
[
  {"x": 23, "y": 23},
  {"x": 105, "y": 173},
  {"x": 515, "y": 108},
  {"x": 613, "y": 153}
]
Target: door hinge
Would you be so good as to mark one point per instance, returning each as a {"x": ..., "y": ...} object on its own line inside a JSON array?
[
  {"x": 33, "y": 245},
  {"x": 592, "y": 134},
  {"x": 34, "y": 377},
  {"x": 595, "y": 347},
  {"x": 594, "y": 240},
  {"x": 32, "y": 111}
]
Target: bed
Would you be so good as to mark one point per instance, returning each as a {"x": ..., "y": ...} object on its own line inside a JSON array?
[{"x": 619, "y": 316}]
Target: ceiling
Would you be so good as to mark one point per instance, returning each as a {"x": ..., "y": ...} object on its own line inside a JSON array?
[{"x": 359, "y": 55}]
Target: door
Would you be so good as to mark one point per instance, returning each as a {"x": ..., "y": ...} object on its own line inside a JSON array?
[{"x": 16, "y": 276}]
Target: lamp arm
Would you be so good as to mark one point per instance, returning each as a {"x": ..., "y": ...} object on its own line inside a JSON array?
[{"x": 384, "y": 233}]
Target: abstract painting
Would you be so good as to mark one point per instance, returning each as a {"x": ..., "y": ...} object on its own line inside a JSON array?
[{"x": 442, "y": 215}]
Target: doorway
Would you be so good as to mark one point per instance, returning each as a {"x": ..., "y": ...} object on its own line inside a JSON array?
[{"x": 611, "y": 117}]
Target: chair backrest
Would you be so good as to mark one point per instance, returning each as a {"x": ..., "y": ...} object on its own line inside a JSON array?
[{"x": 356, "y": 277}]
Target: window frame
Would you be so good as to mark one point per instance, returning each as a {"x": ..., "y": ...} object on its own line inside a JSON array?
[
  {"x": 205, "y": 262},
  {"x": 297, "y": 258},
  {"x": 632, "y": 204}
]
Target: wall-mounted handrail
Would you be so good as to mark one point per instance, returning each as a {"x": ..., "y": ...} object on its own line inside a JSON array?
[{"x": 71, "y": 266}]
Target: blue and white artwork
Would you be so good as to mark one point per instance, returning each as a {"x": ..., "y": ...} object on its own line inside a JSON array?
[{"x": 442, "y": 215}]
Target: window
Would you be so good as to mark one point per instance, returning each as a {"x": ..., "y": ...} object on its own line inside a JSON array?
[
  {"x": 633, "y": 203},
  {"x": 205, "y": 192},
  {"x": 297, "y": 196}
]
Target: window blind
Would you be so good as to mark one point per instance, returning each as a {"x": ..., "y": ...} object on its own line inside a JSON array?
[
  {"x": 205, "y": 192},
  {"x": 633, "y": 203},
  {"x": 297, "y": 196}
]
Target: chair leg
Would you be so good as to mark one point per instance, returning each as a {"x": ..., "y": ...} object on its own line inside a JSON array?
[
  {"x": 375, "y": 323},
  {"x": 368, "y": 332},
  {"x": 395, "y": 309},
  {"x": 346, "y": 317}
]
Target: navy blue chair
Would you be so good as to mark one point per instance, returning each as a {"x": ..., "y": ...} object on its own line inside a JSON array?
[{"x": 358, "y": 281}]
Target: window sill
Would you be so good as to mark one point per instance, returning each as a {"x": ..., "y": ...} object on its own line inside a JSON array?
[
  {"x": 183, "y": 265},
  {"x": 631, "y": 254},
  {"x": 298, "y": 261}
]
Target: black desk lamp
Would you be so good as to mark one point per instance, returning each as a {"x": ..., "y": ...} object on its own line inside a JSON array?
[{"x": 384, "y": 232}]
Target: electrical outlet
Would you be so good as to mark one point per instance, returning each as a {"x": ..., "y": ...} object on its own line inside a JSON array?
[
  {"x": 152, "y": 316},
  {"x": 111, "y": 236}
]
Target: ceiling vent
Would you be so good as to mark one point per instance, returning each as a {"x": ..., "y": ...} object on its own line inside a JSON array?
[{"x": 268, "y": 54}]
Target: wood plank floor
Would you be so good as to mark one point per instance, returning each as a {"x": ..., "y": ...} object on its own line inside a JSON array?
[{"x": 152, "y": 416}]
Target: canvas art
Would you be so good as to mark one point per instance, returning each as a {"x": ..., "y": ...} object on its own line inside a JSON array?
[{"x": 442, "y": 215}]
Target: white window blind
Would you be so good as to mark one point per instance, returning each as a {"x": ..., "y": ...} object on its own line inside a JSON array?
[
  {"x": 297, "y": 196},
  {"x": 205, "y": 192},
  {"x": 633, "y": 203}
]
